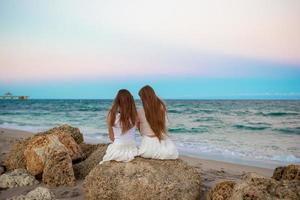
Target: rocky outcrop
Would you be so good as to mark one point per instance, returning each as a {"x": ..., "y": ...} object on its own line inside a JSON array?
[
  {"x": 35, "y": 151},
  {"x": 49, "y": 154},
  {"x": 17, "y": 178},
  {"x": 15, "y": 158},
  {"x": 290, "y": 172},
  {"x": 39, "y": 193},
  {"x": 58, "y": 168},
  {"x": 82, "y": 169},
  {"x": 253, "y": 186},
  {"x": 143, "y": 179},
  {"x": 74, "y": 132}
]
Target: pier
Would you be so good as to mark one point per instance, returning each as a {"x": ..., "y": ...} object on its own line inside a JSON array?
[{"x": 9, "y": 96}]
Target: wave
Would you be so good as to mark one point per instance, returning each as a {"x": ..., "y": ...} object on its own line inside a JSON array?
[
  {"x": 286, "y": 158},
  {"x": 277, "y": 114},
  {"x": 186, "y": 130},
  {"x": 253, "y": 128},
  {"x": 207, "y": 119},
  {"x": 295, "y": 130},
  {"x": 90, "y": 109},
  {"x": 173, "y": 111}
]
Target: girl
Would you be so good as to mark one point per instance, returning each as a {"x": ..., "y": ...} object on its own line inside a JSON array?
[
  {"x": 121, "y": 122},
  {"x": 152, "y": 125}
]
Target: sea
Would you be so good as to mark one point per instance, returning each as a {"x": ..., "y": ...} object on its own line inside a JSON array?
[{"x": 264, "y": 133}]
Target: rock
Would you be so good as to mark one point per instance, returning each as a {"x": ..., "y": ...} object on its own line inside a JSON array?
[
  {"x": 221, "y": 191},
  {"x": 2, "y": 169},
  {"x": 69, "y": 193},
  {"x": 29, "y": 154},
  {"x": 58, "y": 168},
  {"x": 37, "y": 146},
  {"x": 82, "y": 169},
  {"x": 277, "y": 174},
  {"x": 15, "y": 159},
  {"x": 39, "y": 193},
  {"x": 17, "y": 178},
  {"x": 143, "y": 179},
  {"x": 88, "y": 149},
  {"x": 253, "y": 186},
  {"x": 290, "y": 172},
  {"x": 74, "y": 132}
]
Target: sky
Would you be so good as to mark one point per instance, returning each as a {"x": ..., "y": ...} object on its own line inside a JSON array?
[{"x": 192, "y": 49}]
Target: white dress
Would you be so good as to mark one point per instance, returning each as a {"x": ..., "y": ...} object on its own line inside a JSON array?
[
  {"x": 150, "y": 146},
  {"x": 124, "y": 147}
]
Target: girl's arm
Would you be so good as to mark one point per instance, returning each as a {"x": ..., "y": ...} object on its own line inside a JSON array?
[
  {"x": 111, "y": 134},
  {"x": 110, "y": 131},
  {"x": 138, "y": 123}
]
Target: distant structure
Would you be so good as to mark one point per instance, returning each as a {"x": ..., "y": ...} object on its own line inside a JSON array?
[{"x": 9, "y": 96}]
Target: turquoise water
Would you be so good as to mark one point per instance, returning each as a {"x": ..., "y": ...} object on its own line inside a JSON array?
[{"x": 243, "y": 131}]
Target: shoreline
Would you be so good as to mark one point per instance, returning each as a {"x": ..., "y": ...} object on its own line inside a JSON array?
[
  {"x": 211, "y": 171},
  {"x": 21, "y": 134},
  {"x": 211, "y": 157},
  {"x": 8, "y": 135}
]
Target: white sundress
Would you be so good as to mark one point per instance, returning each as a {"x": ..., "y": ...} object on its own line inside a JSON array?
[
  {"x": 150, "y": 146},
  {"x": 124, "y": 147}
]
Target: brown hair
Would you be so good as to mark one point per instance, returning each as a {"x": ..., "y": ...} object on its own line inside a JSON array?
[
  {"x": 124, "y": 104},
  {"x": 155, "y": 111}
]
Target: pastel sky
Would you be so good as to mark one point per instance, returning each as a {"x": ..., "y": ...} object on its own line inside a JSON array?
[{"x": 185, "y": 49}]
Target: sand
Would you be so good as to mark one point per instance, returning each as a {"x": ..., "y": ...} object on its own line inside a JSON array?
[{"x": 211, "y": 171}]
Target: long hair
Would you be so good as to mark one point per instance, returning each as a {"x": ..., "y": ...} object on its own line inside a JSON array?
[
  {"x": 123, "y": 104},
  {"x": 155, "y": 111}
]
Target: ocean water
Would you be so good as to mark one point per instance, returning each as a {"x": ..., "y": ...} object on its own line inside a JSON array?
[{"x": 256, "y": 132}]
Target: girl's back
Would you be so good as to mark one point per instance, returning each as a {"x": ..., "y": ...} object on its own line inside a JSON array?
[
  {"x": 127, "y": 137},
  {"x": 121, "y": 122}
]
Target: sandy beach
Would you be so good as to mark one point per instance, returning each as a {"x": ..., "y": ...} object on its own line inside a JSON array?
[{"x": 211, "y": 171}]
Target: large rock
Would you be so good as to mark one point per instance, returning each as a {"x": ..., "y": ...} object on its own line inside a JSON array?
[
  {"x": 143, "y": 179},
  {"x": 256, "y": 187},
  {"x": 73, "y": 131},
  {"x": 36, "y": 147},
  {"x": 39, "y": 193},
  {"x": 17, "y": 178},
  {"x": 290, "y": 172},
  {"x": 30, "y": 153},
  {"x": 58, "y": 168},
  {"x": 95, "y": 154},
  {"x": 15, "y": 159}
]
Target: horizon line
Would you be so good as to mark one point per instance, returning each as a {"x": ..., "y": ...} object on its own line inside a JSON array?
[{"x": 187, "y": 99}]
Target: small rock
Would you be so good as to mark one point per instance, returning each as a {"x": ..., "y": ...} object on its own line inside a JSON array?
[
  {"x": 254, "y": 186},
  {"x": 88, "y": 149},
  {"x": 82, "y": 169},
  {"x": 17, "y": 178},
  {"x": 2, "y": 170},
  {"x": 221, "y": 191},
  {"x": 290, "y": 172},
  {"x": 39, "y": 193}
]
